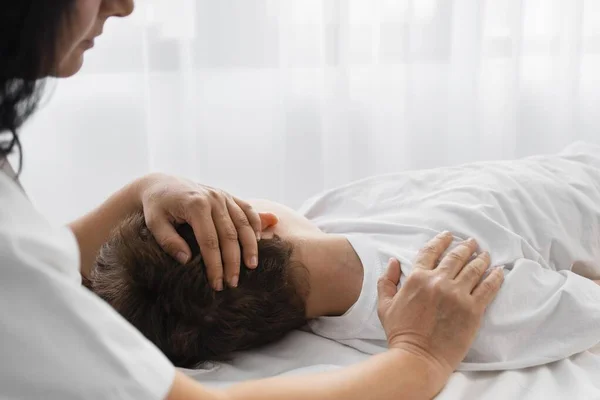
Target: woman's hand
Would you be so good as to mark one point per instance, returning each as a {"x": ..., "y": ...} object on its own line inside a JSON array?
[
  {"x": 437, "y": 312},
  {"x": 220, "y": 223}
]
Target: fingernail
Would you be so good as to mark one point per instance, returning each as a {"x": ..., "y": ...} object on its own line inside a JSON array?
[
  {"x": 219, "y": 285},
  {"x": 500, "y": 268},
  {"x": 182, "y": 257},
  {"x": 443, "y": 234},
  {"x": 469, "y": 241},
  {"x": 234, "y": 281},
  {"x": 258, "y": 236},
  {"x": 254, "y": 261}
]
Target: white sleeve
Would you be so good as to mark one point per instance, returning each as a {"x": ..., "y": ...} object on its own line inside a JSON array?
[
  {"x": 539, "y": 316},
  {"x": 60, "y": 341}
]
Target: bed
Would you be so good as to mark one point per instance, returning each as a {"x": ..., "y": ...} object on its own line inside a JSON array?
[{"x": 301, "y": 352}]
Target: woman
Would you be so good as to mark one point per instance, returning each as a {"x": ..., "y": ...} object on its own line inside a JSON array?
[{"x": 60, "y": 341}]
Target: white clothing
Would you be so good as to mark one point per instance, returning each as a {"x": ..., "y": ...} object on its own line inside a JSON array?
[
  {"x": 536, "y": 216},
  {"x": 59, "y": 341}
]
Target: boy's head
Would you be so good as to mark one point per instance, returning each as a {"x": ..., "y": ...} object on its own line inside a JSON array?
[{"x": 174, "y": 306}]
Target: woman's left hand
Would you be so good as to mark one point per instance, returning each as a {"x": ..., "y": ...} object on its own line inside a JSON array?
[{"x": 220, "y": 222}]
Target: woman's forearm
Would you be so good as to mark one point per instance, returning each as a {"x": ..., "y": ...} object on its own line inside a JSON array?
[
  {"x": 395, "y": 374},
  {"x": 391, "y": 375},
  {"x": 92, "y": 230}
]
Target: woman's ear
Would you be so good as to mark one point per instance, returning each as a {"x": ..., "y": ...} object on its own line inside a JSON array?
[{"x": 267, "y": 220}]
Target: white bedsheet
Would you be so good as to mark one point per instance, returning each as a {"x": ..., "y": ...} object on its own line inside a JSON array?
[
  {"x": 577, "y": 377},
  {"x": 539, "y": 217}
]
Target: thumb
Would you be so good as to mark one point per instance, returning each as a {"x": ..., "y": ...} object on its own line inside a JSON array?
[
  {"x": 168, "y": 238},
  {"x": 387, "y": 286}
]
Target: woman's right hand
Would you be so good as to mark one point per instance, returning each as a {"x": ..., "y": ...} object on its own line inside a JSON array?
[{"x": 437, "y": 312}]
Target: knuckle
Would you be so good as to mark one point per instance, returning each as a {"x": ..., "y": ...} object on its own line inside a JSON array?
[
  {"x": 230, "y": 234},
  {"x": 211, "y": 242},
  {"x": 481, "y": 265},
  {"x": 500, "y": 280},
  {"x": 157, "y": 193},
  {"x": 381, "y": 282},
  {"x": 423, "y": 276},
  {"x": 217, "y": 193},
  {"x": 417, "y": 277},
  {"x": 497, "y": 282},
  {"x": 473, "y": 275},
  {"x": 199, "y": 201},
  {"x": 478, "y": 263},
  {"x": 480, "y": 268},
  {"x": 473, "y": 270},
  {"x": 242, "y": 221},
  {"x": 426, "y": 255},
  {"x": 454, "y": 256},
  {"x": 488, "y": 286},
  {"x": 247, "y": 207},
  {"x": 152, "y": 222},
  {"x": 167, "y": 244},
  {"x": 429, "y": 249}
]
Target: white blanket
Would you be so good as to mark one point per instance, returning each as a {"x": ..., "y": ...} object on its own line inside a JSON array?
[{"x": 540, "y": 217}]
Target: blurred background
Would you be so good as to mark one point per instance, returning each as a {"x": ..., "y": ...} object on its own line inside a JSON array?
[{"x": 283, "y": 98}]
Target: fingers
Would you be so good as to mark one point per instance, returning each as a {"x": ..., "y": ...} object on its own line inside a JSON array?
[
  {"x": 387, "y": 286},
  {"x": 486, "y": 291},
  {"x": 471, "y": 274},
  {"x": 228, "y": 243},
  {"x": 246, "y": 233},
  {"x": 168, "y": 238},
  {"x": 201, "y": 221},
  {"x": 251, "y": 215},
  {"x": 453, "y": 262},
  {"x": 429, "y": 255}
]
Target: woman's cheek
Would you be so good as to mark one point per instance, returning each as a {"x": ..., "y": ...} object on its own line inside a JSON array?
[{"x": 80, "y": 27}]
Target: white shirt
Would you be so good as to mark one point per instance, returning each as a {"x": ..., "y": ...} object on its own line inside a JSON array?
[
  {"x": 536, "y": 216},
  {"x": 57, "y": 340}
]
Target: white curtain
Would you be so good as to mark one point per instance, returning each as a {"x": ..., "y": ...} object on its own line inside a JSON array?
[{"x": 283, "y": 98}]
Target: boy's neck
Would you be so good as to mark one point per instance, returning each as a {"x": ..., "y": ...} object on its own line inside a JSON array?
[{"x": 336, "y": 274}]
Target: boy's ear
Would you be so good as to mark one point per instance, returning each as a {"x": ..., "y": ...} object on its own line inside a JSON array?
[{"x": 267, "y": 220}]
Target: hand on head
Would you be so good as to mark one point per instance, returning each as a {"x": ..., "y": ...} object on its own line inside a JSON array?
[
  {"x": 437, "y": 312},
  {"x": 221, "y": 223}
]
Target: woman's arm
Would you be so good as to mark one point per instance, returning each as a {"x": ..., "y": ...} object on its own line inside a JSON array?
[
  {"x": 430, "y": 324},
  {"x": 93, "y": 229},
  {"x": 220, "y": 222},
  {"x": 396, "y": 374}
]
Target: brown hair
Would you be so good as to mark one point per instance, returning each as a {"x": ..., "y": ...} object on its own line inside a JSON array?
[{"x": 175, "y": 308}]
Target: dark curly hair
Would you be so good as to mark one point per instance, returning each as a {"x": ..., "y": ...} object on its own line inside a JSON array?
[
  {"x": 175, "y": 308},
  {"x": 29, "y": 32}
]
